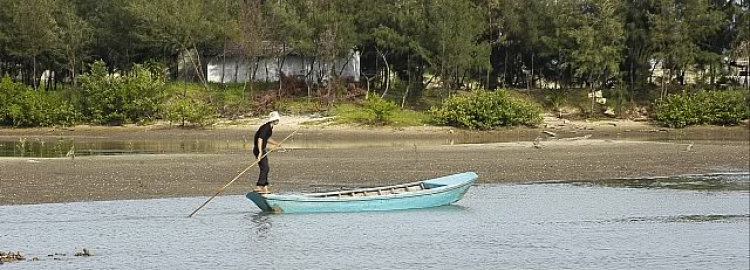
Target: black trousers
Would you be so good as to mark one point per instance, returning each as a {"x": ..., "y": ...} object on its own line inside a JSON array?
[{"x": 263, "y": 176}]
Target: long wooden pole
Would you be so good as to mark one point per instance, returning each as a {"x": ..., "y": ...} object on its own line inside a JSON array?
[{"x": 238, "y": 176}]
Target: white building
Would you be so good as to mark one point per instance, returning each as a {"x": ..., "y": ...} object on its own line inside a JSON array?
[{"x": 236, "y": 68}]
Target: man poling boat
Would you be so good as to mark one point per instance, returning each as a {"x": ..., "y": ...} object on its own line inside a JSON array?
[
  {"x": 260, "y": 158},
  {"x": 260, "y": 142}
]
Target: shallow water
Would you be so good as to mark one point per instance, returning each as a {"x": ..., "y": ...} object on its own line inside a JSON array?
[
  {"x": 533, "y": 226},
  {"x": 46, "y": 147}
]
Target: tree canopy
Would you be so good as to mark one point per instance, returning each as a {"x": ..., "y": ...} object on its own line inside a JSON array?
[{"x": 451, "y": 43}]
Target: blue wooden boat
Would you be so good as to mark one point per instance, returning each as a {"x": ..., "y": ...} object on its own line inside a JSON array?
[{"x": 429, "y": 193}]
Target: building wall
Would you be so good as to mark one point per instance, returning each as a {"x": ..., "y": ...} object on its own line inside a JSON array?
[{"x": 239, "y": 69}]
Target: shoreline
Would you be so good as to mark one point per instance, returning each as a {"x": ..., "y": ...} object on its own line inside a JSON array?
[
  {"x": 237, "y": 129},
  {"x": 334, "y": 157}
]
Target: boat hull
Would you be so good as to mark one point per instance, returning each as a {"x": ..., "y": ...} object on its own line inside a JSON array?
[{"x": 442, "y": 191}]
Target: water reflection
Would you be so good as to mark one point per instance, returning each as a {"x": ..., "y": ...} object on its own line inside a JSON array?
[
  {"x": 67, "y": 147},
  {"x": 699, "y": 182},
  {"x": 45, "y": 147},
  {"x": 261, "y": 223},
  {"x": 688, "y": 218}
]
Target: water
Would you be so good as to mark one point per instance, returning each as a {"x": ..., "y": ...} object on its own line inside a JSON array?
[
  {"x": 496, "y": 226},
  {"x": 48, "y": 147},
  {"x": 38, "y": 148}
]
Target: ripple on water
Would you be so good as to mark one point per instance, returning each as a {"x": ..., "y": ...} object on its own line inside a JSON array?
[
  {"x": 699, "y": 182},
  {"x": 496, "y": 226}
]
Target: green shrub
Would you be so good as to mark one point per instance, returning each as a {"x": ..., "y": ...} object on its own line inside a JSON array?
[
  {"x": 112, "y": 99},
  {"x": 555, "y": 98},
  {"x": 703, "y": 107},
  {"x": 21, "y": 105},
  {"x": 487, "y": 109},
  {"x": 380, "y": 110},
  {"x": 185, "y": 110}
]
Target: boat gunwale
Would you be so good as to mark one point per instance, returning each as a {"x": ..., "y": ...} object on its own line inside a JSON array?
[
  {"x": 424, "y": 192},
  {"x": 369, "y": 189},
  {"x": 375, "y": 189}
]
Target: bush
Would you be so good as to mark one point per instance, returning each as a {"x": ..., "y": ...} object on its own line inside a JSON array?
[
  {"x": 114, "y": 99},
  {"x": 704, "y": 107},
  {"x": 21, "y": 105},
  {"x": 185, "y": 110},
  {"x": 487, "y": 109},
  {"x": 380, "y": 110}
]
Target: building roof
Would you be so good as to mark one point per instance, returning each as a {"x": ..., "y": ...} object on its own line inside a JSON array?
[{"x": 268, "y": 48}]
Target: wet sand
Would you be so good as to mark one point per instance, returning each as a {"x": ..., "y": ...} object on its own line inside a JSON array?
[{"x": 329, "y": 158}]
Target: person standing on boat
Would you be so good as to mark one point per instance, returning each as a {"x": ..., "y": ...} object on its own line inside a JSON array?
[{"x": 260, "y": 141}]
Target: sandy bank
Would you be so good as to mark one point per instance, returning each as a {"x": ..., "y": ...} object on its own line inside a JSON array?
[{"x": 331, "y": 157}]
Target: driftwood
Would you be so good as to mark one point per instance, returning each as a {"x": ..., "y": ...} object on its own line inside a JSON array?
[
  {"x": 550, "y": 133},
  {"x": 7, "y": 257},
  {"x": 11, "y": 257},
  {"x": 85, "y": 252},
  {"x": 576, "y": 138}
]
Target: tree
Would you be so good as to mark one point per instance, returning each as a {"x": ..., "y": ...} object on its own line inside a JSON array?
[
  {"x": 32, "y": 28},
  {"x": 115, "y": 35},
  {"x": 452, "y": 37},
  {"x": 4, "y": 37},
  {"x": 708, "y": 24},
  {"x": 73, "y": 34},
  {"x": 741, "y": 42},
  {"x": 290, "y": 31},
  {"x": 639, "y": 46},
  {"x": 187, "y": 25},
  {"x": 678, "y": 28},
  {"x": 333, "y": 34},
  {"x": 599, "y": 40},
  {"x": 253, "y": 31}
]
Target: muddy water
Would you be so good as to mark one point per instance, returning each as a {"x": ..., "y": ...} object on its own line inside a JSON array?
[
  {"x": 51, "y": 147},
  {"x": 561, "y": 225}
]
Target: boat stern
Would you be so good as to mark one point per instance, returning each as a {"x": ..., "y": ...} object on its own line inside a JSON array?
[{"x": 260, "y": 201}]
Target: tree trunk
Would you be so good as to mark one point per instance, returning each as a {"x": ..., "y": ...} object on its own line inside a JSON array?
[
  {"x": 711, "y": 70},
  {"x": 280, "y": 65},
  {"x": 387, "y": 76},
  {"x": 73, "y": 72},
  {"x": 532, "y": 71},
  {"x": 307, "y": 79},
  {"x": 408, "y": 85},
  {"x": 508, "y": 71},
  {"x": 33, "y": 75},
  {"x": 495, "y": 63},
  {"x": 236, "y": 71},
  {"x": 198, "y": 66},
  {"x": 224, "y": 64},
  {"x": 224, "y": 54},
  {"x": 49, "y": 80}
]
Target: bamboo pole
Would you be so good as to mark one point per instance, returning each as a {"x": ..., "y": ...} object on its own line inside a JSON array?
[{"x": 241, "y": 173}]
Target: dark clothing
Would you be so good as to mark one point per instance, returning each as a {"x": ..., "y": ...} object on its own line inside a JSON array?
[
  {"x": 263, "y": 176},
  {"x": 264, "y": 132}
]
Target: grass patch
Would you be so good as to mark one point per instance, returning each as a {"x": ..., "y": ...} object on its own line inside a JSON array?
[
  {"x": 297, "y": 106},
  {"x": 356, "y": 114}
]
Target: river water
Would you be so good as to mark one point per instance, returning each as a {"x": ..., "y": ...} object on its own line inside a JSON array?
[
  {"x": 53, "y": 147},
  {"x": 559, "y": 225}
]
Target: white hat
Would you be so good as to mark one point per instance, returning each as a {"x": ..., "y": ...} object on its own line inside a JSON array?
[{"x": 273, "y": 116}]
